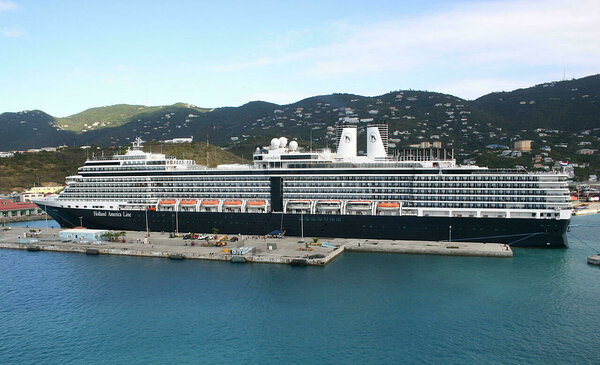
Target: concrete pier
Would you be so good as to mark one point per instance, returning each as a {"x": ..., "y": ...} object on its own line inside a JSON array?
[
  {"x": 431, "y": 248},
  {"x": 586, "y": 208},
  {"x": 289, "y": 250}
]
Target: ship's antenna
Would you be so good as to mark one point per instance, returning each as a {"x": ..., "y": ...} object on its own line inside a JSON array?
[
  {"x": 207, "y": 150},
  {"x": 311, "y": 140}
]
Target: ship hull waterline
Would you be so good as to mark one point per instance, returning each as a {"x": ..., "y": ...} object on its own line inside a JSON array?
[{"x": 514, "y": 231}]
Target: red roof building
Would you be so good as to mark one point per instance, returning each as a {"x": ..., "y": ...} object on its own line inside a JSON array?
[{"x": 9, "y": 208}]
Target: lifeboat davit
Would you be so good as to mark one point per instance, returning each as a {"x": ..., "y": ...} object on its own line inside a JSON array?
[
  {"x": 188, "y": 202},
  {"x": 210, "y": 203},
  {"x": 359, "y": 205},
  {"x": 329, "y": 204},
  {"x": 388, "y": 206},
  {"x": 167, "y": 202},
  {"x": 233, "y": 203},
  {"x": 256, "y": 203},
  {"x": 299, "y": 202}
]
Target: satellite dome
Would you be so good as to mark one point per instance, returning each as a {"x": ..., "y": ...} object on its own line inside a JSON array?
[
  {"x": 275, "y": 143},
  {"x": 293, "y": 145},
  {"x": 282, "y": 142}
]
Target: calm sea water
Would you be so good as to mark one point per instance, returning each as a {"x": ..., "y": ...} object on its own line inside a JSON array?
[
  {"x": 50, "y": 223},
  {"x": 541, "y": 306}
]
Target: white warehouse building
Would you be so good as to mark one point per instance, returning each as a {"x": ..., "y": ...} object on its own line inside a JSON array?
[{"x": 82, "y": 235}]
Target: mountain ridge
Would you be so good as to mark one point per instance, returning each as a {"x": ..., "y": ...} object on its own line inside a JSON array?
[{"x": 468, "y": 126}]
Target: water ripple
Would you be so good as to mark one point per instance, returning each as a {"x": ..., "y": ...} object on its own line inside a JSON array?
[{"x": 539, "y": 307}]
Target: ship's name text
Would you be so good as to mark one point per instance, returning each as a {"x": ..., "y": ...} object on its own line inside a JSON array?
[{"x": 112, "y": 214}]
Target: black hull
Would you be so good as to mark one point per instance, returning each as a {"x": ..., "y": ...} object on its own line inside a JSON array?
[{"x": 516, "y": 232}]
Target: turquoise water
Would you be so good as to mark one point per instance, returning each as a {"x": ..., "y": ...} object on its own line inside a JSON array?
[
  {"x": 50, "y": 223},
  {"x": 539, "y": 307}
]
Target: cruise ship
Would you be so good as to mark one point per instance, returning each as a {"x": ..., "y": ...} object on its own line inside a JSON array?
[{"x": 413, "y": 194}]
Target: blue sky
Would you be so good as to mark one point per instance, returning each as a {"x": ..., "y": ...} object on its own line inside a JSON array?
[{"x": 66, "y": 56}]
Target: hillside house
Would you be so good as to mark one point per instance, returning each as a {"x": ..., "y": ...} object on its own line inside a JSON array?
[
  {"x": 586, "y": 151},
  {"x": 523, "y": 146}
]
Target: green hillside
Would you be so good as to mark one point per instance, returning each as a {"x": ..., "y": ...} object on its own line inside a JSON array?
[
  {"x": 571, "y": 105},
  {"x": 196, "y": 151},
  {"x": 22, "y": 171},
  {"x": 25, "y": 170},
  {"x": 113, "y": 116}
]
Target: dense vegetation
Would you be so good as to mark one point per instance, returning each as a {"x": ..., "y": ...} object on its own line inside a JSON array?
[
  {"x": 114, "y": 116},
  {"x": 43, "y": 168},
  {"x": 568, "y": 105},
  {"x": 25, "y": 170},
  {"x": 197, "y": 151}
]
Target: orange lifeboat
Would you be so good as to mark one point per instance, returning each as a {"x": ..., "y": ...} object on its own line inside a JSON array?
[
  {"x": 210, "y": 203},
  {"x": 233, "y": 203},
  {"x": 388, "y": 205},
  {"x": 188, "y": 202},
  {"x": 167, "y": 202},
  {"x": 151, "y": 208},
  {"x": 256, "y": 203}
]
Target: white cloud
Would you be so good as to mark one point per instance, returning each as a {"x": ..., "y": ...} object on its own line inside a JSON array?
[
  {"x": 6, "y": 5},
  {"x": 481, "y": 34},
  {"x": 12, "y": 32},
  {"x": 498, "y": 39}
]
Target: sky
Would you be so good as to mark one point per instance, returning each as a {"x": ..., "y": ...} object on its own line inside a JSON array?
[{"x": 63, "y": 57}]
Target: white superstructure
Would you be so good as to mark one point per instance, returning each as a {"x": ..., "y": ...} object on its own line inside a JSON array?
[{"x": 283, "y": 178}]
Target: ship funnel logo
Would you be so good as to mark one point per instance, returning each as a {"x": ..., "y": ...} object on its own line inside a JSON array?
[
  {"x": 347, "y": 138},
  {"x": 373, "y": 138}
]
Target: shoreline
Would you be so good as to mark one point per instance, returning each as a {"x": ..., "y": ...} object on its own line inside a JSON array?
[
  {"x": 25, "y": 218},
  {"x": 590, "y": 208}
]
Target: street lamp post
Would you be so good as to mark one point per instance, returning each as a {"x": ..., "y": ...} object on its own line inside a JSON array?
[
  {"x": 80, "y": 221},
  {"x": 147, "y": 231},
  {"x": 449, "y": 233}
]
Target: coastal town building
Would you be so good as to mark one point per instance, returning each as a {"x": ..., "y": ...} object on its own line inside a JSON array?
[
  {"x": 586, "y": 151},
  {"x": 10, "y": 208},
  {"x": 436, "y": 144},
  {"x": 28, "y": 197},
  {"x": 180, "y": 140},
  {"x": 38, "y": 192},
  {"x": 523, "y": 146},
  {"x": 81, "y": 234}
]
